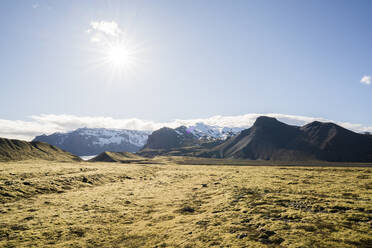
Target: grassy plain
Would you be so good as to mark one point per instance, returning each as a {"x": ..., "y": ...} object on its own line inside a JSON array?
[{"x": 166, "y": 204}]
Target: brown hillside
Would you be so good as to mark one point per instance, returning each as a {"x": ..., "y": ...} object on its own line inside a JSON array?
[
  {"x": 116, "y": 157},
  {"x": 16, "y": 150}
]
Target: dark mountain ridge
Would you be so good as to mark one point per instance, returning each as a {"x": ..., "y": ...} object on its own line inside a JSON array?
[
  {"x": 269, "y": 139},
  {"x": 168, "y": 138}
]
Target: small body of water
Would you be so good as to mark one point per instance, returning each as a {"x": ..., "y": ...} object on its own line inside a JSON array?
[{"x": 87, "y": 157}]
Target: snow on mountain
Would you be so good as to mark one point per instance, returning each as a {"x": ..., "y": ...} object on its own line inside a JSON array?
[
  {"x": 115, "y": 136},
  {"x": 91, "y": 141},
  {"x": 202, "y": 130}
]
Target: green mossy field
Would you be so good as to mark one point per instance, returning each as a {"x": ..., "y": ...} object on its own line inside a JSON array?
[{"x": 175, "y": 203}]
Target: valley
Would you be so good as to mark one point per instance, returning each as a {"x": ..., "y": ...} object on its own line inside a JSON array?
[{"x": 176, "y": 202}]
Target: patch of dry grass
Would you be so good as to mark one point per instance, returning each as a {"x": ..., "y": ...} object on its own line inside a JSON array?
[{"x": 168, "y": 205}]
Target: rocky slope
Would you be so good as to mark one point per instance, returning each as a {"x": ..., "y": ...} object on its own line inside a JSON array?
[{"x": 167, "y": 138}]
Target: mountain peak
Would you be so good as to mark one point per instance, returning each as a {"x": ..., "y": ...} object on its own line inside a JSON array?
[
  {"x": 266, "y": 121},
  {"x": 317, "y": 125}
]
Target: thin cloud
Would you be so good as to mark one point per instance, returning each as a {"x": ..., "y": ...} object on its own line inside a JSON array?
[
  {"x": 47, "y": 124},
  {"x": 100, "y": 30},
  {"x": 366, "y": 80}
]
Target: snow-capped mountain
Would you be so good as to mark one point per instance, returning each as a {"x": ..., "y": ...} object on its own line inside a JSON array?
[
  {"x": 202, "y": 130},
  {"x": 168, "y": 138},
  {"x": 92, "y": 141},
  {"x": 112, "y": 136}
]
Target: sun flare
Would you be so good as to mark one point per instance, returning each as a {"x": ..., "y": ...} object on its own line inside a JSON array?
[
  {"x": 119, "y": 56},
  {"x": 118, "y": 51}
]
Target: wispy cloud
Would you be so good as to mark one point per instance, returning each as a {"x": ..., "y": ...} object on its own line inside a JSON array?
[
  {"x": 47, "y": 124},
  {"x": 366, "y": 80},
  {"x": 35, "y": 5},
  {"x": 109, "y": 28},
  {"x": 101, "y": 30}
]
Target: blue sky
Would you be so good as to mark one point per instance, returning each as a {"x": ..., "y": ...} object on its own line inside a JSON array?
[{"x": 191, "y": 59}]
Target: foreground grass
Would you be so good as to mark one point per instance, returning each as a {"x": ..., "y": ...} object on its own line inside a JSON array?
[{"x": 167, "y": 205}]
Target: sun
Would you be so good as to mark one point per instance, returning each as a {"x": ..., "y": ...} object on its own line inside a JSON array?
[
  {"x": 119, "y": 55},
  {"x": 116, "y": 50}
]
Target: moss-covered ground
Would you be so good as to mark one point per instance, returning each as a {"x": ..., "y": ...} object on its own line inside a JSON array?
[{"x": 47, "y": 204}]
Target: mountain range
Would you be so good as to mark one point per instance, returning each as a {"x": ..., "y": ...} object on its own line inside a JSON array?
[
  {"x": 267, "y": 139},
  {"x": 92, "y": 141},
  {"x": 270, "y": 139}
]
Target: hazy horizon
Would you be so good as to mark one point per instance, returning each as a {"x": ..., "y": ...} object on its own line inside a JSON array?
[{"x": 48, "y": 124}]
